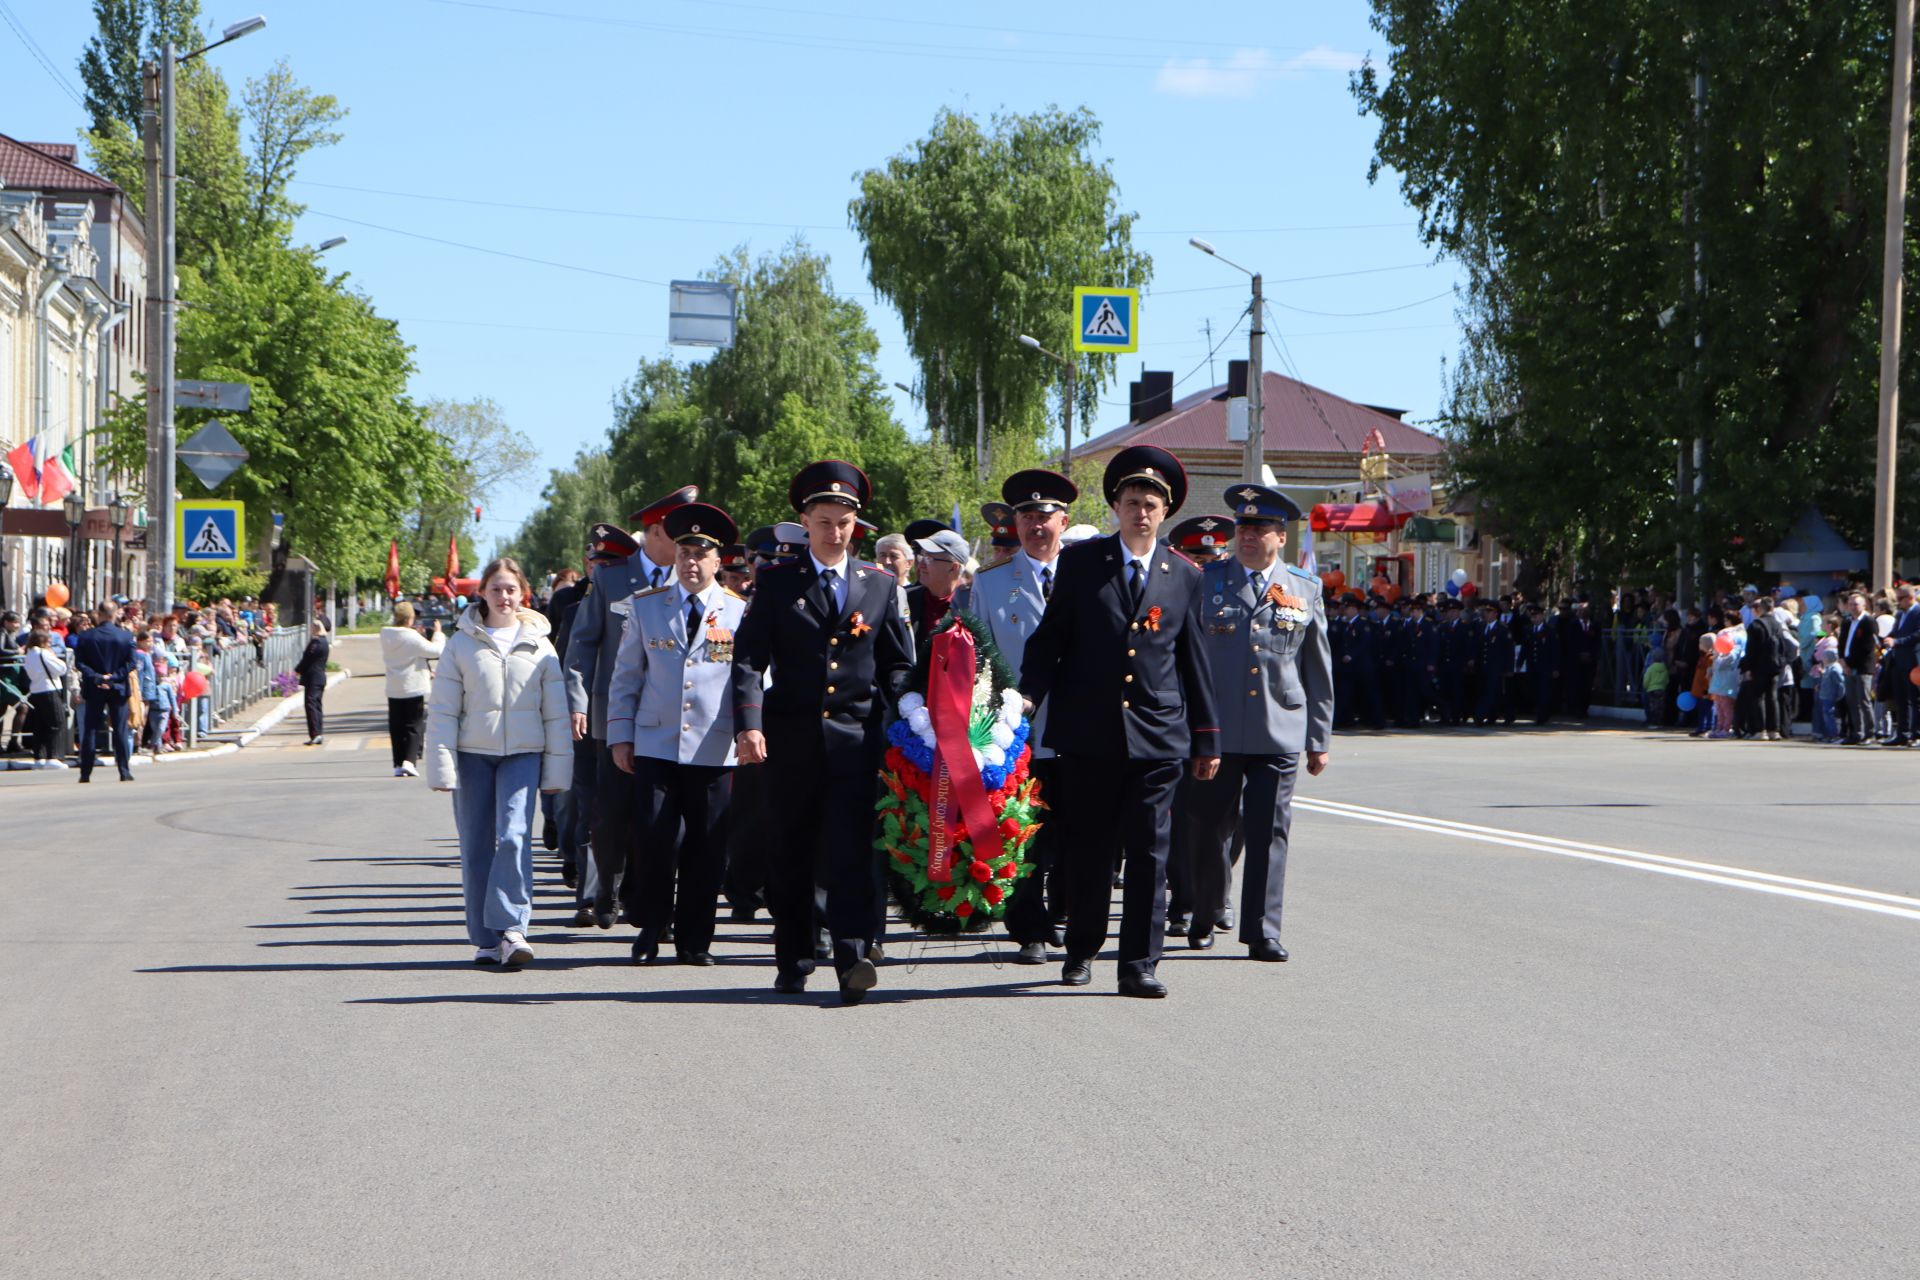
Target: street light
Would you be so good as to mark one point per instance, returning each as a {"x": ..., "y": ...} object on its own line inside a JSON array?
[
  {"x": 1256, "y": 436},
  {"x": 75, "y": 508},
  {"x": 157, "y": 127},
  {"x": 117, "y": 508},
  {"x": 1066, "y": 436},
  {"x": 333, "y": 243}
]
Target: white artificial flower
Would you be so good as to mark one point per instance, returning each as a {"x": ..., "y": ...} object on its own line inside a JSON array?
[
  {"x": 1002, "y": 736},
  {"x": 910, "y": 703},
  {"x": 920, "y": 722},
  {"x": 994, "y": 756},
  {"x": 1010, "y": 702}
]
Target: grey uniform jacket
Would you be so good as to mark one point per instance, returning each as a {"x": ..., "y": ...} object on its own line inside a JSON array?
[
  {"x": 1272, "y": 667},
  {"x": 671, "y": 694},
  {"x": 595, "y": 637},
  {"x": 1008, "y": 597}
]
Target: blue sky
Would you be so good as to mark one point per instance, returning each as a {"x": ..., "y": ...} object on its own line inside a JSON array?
[{"x": 637, "y": 141}]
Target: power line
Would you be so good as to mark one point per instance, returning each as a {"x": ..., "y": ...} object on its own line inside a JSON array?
[
  {"x": 1331, "y": 275},
  {"x": 498, "y": 253},
  {"x": 1205, "y": 361},
  {"x": 544, "y": 208},
  {"x": 1108, "y": 60},
  {"x": 1349, "y": 315},
  {"x": 39, "y": 55}
]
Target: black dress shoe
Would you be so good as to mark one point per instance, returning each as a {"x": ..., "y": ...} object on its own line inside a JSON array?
[
  {"x": 1200, "y": 940},
  {"x": 1077, "y": 973},
  {"x": 549, "y": 835},
  {"x": 1226, "y": 921},
  {"x": 1268, "y": 949},
  {"x": 569, "y": 875},
  {"x": 700, "y": 959},
  {"x": 743, "y": 914},
  {"x": 126, "y": 775},
  {"x": 646, "y": 948},
  {"x": 1143, "y": 986},
  {"x": 603, "y": 916},
  {"x": 1031, "y": 953},
  {"x": 1059, "y": 935},
  {"x": 857, "y": 981},
  {"x": 85, "y": 777},
  {"x": 1179, "y": 926},
  {"x": 790, "y": 984},
  {"x": 583, "y": 918}
]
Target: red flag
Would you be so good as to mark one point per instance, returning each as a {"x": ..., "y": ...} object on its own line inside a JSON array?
[
  {"x": 453, "y": 557},
  {"x": 26, "y": 470},
  {"x": 392, "y": 581}
]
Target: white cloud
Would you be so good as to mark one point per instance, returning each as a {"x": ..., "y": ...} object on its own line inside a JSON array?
[
  {"x": 1322, "y": 58},
  {"x": 1236, "y": 77}
]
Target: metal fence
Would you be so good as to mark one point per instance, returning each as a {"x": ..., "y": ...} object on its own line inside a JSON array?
[
  {"x": 244, "y": 674},
  {"x": 1622, "y": 665}
]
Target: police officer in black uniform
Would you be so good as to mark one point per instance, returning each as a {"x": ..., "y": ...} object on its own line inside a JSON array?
[
  {"x": 1121, "y": 654},
  {"x": 829, "y": 625}
]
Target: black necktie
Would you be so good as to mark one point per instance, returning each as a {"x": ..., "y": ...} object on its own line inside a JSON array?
[
  {"x": 1135, "y": 577},
  {"x": 693, "y": 620},
  {"x": 1253, "y": 584},
  {"x": 1046, "y": 584},
  {"x": 828, "y": 577},
  {"x": 654, "y": 579}
]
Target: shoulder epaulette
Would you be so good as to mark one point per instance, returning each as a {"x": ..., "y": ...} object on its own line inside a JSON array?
[
  {"x": 735, "y": 594},
  {"x": 1301, "y": 570},
  {"x": 992, "y": 568},
  {"x": 644, "y": 592}
]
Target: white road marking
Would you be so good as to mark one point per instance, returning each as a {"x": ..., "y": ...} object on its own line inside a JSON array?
[{"x": 1838, "y": 895}]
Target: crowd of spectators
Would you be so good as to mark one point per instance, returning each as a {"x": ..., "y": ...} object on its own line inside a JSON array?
[{"x": 40, "y": 704}]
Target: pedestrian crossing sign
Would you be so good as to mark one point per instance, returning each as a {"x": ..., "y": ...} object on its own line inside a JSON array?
[
  {"x": 1106, "y": 319},
  {"x": 207, "y": 534}
]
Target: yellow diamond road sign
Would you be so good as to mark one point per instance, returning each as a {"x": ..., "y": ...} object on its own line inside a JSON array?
[
  {"x": 207, "y": 534},
  {"x": 1106, "y": 319}
]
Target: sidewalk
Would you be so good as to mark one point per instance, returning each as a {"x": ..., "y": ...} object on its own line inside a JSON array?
[{"x": 272, "y": 722}]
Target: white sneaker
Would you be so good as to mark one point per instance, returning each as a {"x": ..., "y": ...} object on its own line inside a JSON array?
[
  {"x": 486, "y": 955},
  {"x": 408, "y": 769},
  {"x": 514, "y": 950},
  {"x": 51, "y": 764}
]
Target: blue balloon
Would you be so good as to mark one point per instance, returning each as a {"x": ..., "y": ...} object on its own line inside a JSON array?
[
  {"x": 1453, "y": 588},
  {"x": 1686, "y": 701}
]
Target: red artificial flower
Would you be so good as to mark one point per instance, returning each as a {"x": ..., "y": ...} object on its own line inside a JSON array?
[
  {"x": 993, "y": 893},
  {"x": 1152, "y": 622},
  {"x": 1008, "y": 870},
  {"x": 902, "y": 857},
  {"x": 945, "y": 893},
  {"x": 964, "y": 910},
  {"x": 980, "y": 871},
  {"x": 1010, "y": 830}
]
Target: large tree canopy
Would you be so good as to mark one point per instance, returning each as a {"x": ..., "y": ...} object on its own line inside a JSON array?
[
  {"x": 1562, "y": 154},
  {"x": 979, "y": 235}
]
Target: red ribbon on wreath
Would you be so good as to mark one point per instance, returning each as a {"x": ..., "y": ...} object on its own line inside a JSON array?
[{"x": 957, "y": 790}]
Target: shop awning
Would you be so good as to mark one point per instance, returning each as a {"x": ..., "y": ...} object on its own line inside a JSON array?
[{"x": 1355, "y": 517}]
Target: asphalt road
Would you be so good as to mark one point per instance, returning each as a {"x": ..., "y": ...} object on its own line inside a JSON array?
[{"x": 242, "y": 1039}]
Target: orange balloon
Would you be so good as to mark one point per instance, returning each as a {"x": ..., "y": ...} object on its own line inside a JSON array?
[
  {"x": 1336, "y": 579},
  {"x": 1914, "y": 675},
  {"x": 57, "y": 594},
  {"x": 1391, "y": 592}
]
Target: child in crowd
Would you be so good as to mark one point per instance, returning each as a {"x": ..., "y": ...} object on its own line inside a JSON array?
[
  {"x": 1829, "y": 687},
  {"x": 1653, "y": 686},
  {"x": 1702, "y": 700},
  {"x": 1724, "y": 686}
]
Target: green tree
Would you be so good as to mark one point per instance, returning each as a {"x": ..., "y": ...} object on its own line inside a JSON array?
[
  {"x": 483, "y": 454},
  {"x": 110, "y": 66},
  {"x": 977, "y": 235},
  {"x": 1560, "y": 154}
]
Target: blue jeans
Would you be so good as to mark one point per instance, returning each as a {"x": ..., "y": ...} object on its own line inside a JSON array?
[
  {"x": 1826, "y": 723},
  {"x": 493, "y": 808}
]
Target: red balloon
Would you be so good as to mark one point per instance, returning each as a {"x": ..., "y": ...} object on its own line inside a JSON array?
[
  {"x": 1914, "y": 675},
  {"x": 193, "y": 685},
  {"x": 1470, "y": 589}
]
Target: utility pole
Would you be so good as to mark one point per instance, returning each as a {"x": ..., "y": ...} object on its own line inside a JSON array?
[
  {"x": 1256, "y": 433},
  {"x": 1892, "y": 279},
  {"x": 1691, "y": 479}
]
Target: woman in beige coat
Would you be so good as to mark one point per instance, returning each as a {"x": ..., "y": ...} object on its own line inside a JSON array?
[
  {"x": 498, "y": 731},
  {"x": 406, "y": 653}
]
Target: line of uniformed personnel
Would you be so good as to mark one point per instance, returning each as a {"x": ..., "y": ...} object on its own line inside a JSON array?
[{"x": 729, "y": 701}]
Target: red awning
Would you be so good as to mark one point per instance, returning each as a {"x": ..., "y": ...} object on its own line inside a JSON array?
[{"x": 1356, "y": 517}]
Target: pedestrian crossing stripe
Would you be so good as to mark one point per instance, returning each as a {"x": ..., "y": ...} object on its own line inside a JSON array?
[
  {"x": 1106, "y": 319},
  {"x": 207, "y": 534}
]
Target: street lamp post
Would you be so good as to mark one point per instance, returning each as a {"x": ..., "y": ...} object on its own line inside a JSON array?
[
  {"x": 1066, "y": 431},
  {"x": 117, "y": 509},
  {"x": 75, "y": 508},
  {"x": 6, "y": 496},
  {"x": 1256, "y": 457},
  {"x": 162, "y": 174}
]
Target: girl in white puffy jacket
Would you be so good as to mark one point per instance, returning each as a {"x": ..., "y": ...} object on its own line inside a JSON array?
[{"x": 498, "y": 731}]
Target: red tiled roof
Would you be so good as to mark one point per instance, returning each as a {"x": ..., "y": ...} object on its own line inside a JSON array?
[
  {"x": 30, "y": 166},
  {"x": 66, "y": 151},
  {"x": 1288, "y": 420}
]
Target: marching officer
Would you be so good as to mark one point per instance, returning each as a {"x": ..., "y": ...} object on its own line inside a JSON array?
[
  {"x": 1272, "y": 667},
  {"x": 830, "y": 627},
  {"x": 1003, "y": 530},
  {"x": 1012, "y": 596},
  {"x": 670, "y": 726},
  {"x": 591, "y": 649},
  {"x": 609, "y": 551},
  {"x": 1203, "y": 539},
  {"x": 1120, "y": 652}
]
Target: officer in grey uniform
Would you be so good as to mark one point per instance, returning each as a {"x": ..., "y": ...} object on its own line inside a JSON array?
[
  {"x": 670, "y": 725},
  {"x": 1266, "y": 637},
  {"x": 1012, "y": 597},
  {"x": 589, "y": 666}
]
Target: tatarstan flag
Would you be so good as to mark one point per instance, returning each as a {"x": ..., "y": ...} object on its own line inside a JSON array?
[{"x": 56, "y": 474}]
